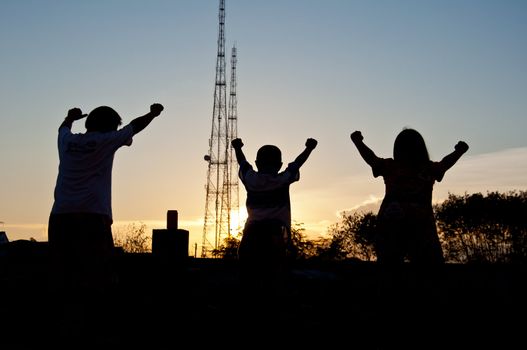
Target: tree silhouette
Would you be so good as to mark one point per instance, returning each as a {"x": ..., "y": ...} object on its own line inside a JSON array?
[
  {"x": 229, "y": 248},
  {"x": 134, "y": 239},
  {"x": 351, "y": 238},
  {"x": 472, "y": 228},
  {"x": 484, "y": 229},
  {"x": 299, "y": 248}
]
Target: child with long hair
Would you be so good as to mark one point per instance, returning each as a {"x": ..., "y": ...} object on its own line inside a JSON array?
[{"x": 406, "y": 227}]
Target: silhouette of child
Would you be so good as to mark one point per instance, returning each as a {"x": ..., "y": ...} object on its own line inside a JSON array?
[
  {"x": 79, "y": 231},
  {"x": 266, "y": 234},
  {"x": 406, "y": 227}
]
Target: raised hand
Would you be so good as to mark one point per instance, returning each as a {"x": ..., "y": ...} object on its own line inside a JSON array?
[
  {"x": 156, "y": 109},
  {"x": 461, "y": 146},
  {"x": 311, "y": 143},
  {"x": 75, "y": 114},
  {"x": 237, "y": 143},
  {"x": 356, "y": 136}
]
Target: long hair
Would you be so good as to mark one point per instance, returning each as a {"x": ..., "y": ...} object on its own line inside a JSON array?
[
  {"x": 410, "y": 148},
  {"x": 103, "y": 119}
]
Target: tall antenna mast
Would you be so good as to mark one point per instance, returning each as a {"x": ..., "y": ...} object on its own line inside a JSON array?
[
  {"x": 217, "y": 208},
  {"x": 232, "y": 126}
]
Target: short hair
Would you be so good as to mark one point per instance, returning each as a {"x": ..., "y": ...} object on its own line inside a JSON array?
[
  {"x": 269, "y": 155},
  {"x": 103, "y": 119},
  {"x": 410, "y": 147}
]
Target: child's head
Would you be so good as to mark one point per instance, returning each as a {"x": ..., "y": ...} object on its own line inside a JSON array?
[
  {"x": 409, "y": 147},
  {"x": 269, "y": 159},
  {"x": 103, "y": 119}
]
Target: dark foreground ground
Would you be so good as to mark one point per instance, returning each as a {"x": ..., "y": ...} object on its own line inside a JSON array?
[{"x": 199, "y": 303}]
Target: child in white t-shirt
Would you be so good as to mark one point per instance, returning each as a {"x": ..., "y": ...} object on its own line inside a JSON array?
[{"x": 267, "y": 231}]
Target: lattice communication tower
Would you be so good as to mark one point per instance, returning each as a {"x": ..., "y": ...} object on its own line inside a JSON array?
[
  {"x": 232, "y": 127},
  {"x": 222, "y": 173}
]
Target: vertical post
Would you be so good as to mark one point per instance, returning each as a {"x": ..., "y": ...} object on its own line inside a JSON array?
[{"x": 172, "y": 220}]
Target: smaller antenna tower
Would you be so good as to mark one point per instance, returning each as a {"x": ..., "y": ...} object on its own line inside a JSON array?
[{"x": 232, "y": 130}]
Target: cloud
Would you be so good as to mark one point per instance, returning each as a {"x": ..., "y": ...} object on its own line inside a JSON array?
[
  {"x": 501, "y": 171},
  {"x": 371, "y": 204}
]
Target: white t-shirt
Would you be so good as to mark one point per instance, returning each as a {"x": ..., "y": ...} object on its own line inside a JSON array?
[
  {"x": 268, "y": 194},
  {"x": 84, "y": 181}
]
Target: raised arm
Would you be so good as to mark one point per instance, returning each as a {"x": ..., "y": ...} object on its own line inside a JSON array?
[
  {"x": 139, "y": 123},
  {"x": 365, "y": 152},
  {"x": 237, "y": 144},
  {"x": 302, "y": 157},
  {"x": 450, "y": 159},
  {"x": 73, "y": 115}
]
